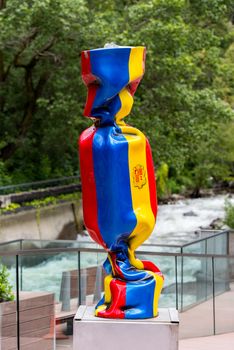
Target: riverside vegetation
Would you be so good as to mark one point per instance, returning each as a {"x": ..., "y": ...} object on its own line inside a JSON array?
[
  {"x": 184, "y": 103},
  {"x": 229, "y": 214}
]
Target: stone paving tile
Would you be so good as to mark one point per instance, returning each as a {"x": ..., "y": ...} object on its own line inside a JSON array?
[{"x": 217, "y": 342}]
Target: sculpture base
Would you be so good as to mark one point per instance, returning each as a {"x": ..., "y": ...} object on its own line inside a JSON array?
[{"x": 92, "y": 332}]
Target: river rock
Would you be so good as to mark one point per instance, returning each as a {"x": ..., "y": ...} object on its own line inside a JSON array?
[
  {"x": 216, "y": 224},
  {"x": 190, "y": 213}
]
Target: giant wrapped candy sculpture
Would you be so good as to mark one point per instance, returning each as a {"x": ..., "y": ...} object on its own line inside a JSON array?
[{"x": 118, "y": 183}]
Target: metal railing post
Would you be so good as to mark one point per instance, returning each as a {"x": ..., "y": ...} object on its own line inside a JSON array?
[
  {"x": 206, "y": 289},
  {"x": 213, "y": 289},
  {"x": 83, "y": 285},
  {"x": 79, "y": 280},
  {"x": 182, "y": 280},
  {"x": 176, "y": 280},
  {"x": 17, "y": 303},
  {"x": 21, "y": 267},
  {"x": 228, "y": 243}
]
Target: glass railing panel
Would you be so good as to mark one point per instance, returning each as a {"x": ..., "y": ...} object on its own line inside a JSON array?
[
  {"x": 92, "y": 277},
  {"x": 8, "y": 304},
  {"x": 196, "y": 317},
  {"x": 196, "y": 281},
  {"x": 211, "y": 242},
  {"x": 224, "y": 295},
  {"x": 195, "y": 248},
  {"x": 47, "y": 244},
  {"x": 217, "y": 244},
  {"x": 61, "y": 244},
  {"x": 10, "y": 246},
  {"x": 167, "y": 266},
  {"x": 37, "y": 320},
  {"x": 50, "y": 282}
]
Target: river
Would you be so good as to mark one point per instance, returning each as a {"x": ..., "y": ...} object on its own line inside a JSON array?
[{"x": 176, "y": 224}]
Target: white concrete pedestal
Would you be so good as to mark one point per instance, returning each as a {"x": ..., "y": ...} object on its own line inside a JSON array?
[{"x": 94, "y": 333}]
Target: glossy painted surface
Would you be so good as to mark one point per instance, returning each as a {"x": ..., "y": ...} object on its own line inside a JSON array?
[{"x": 118, "y": 183}]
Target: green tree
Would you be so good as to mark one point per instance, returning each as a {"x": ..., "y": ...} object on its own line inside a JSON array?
[
  {"x": 184, "y": 98},
  {"x": 179, "y": 104},
  {"x": 41, "y": 89}
]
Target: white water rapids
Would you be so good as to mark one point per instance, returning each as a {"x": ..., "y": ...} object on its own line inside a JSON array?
[{"x": 173, "y": 224}]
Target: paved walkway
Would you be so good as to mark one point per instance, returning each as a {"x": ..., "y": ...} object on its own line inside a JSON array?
[
  {"x": 198, "y": 321},
  {"x": 217, "y": 342}
]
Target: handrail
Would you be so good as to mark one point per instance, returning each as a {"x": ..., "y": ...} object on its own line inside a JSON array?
[
  {"x": 101, "y": 250},
  {"x": 36, "y": 183},
  {"x": 220, "y": 232},
  {"x": 205, "y": 238},
  {"x": 12, "y": 241}
]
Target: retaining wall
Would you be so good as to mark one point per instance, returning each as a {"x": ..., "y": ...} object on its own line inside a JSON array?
[{"x": 60, "y": 221}]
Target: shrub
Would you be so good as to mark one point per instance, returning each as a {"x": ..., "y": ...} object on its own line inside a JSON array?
[
  {"x": 162, "y": 180},
  {"x": 6, "y": 293},
  {"x": 229, "y": 214}
]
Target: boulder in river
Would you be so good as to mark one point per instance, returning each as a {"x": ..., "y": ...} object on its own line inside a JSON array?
[{"x": 190, "y": 213}]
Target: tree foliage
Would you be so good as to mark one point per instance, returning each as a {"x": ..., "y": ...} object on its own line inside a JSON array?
[{"x": 184, "y": 103}]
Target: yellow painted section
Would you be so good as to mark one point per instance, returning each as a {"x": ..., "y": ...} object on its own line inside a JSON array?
[
  {"x": 136, "y": 63},
  {"x": 100, "y": 308},
  {"x": 159, "y": 284},
  {"x": 135, "y": 262},
  {"x": 107, "y": 291},
  {"x": 112, "y": 267},
  {"x": 126, "y": 106},
  {"x": 140, "y": 196},
  {"x": 136, "y": 68}
]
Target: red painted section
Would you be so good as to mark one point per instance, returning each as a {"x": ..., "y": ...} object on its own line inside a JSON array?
[
  {"x": 88, "y": 79},
  {"x": 144, "y": 57},
  {"x": 89, "y": 185},
  {"x": 118, "y": 302},
  {"x": 117, "y": 270},
  {"x": 92, "y": 89},
  {"x": 148, "y": 265},
  {"x": 151, "y": 178},
  {"x": 133, "y": 86}
]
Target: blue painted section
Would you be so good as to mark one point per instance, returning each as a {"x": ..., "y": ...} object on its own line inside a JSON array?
[
  {"x": 101, "y": 302},
  {"x": 140, "y": 298},
  {"x": 107, "y": 266},
  {"x": 129, "y": 272},
  {"x": 110, "y": 66},
  {"x": 116, "y": 218}
]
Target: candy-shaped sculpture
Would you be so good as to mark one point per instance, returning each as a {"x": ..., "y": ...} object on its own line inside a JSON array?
[{"x": 118, "y": 183}]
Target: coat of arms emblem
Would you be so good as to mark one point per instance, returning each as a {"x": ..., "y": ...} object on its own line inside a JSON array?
[{"x": 139, "y": 178}]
